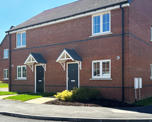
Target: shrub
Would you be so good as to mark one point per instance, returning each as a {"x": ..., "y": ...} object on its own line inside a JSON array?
[
  {"x": 65, "y": 95},
  {"x": 85, "y": 94},
  {"x": 79, "y": 94}
]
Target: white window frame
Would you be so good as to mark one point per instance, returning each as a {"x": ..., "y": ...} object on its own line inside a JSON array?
[
  {"x": 151, "y": 33},
  {"x": 21, "y": 78},
  {"x": 108, "y": 76},
  {"x": 21, "y": 46},
  {"x": 150, "y": 71},
  {"x": 4, "y": 70},
  {"x": 101, "y": 24},
  {"x": 4, "y": 54}
]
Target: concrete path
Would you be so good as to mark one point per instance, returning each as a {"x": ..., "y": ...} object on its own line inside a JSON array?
[
  {"x": 4, "y": 96},
  {"x": 44, "y": 111},
  {"x": 3, "y": 89},
  {"x": 41, "y": 100}
]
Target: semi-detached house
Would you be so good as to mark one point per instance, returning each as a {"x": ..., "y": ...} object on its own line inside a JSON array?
[{"x": 102, "y": 44}]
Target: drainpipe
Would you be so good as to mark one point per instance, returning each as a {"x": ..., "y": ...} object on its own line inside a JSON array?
[
  {"x": 10, "y": 63},
  {"x": 123, "y": 51}
]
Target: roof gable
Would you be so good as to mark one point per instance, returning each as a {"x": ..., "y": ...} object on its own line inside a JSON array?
[
  {"x": 35, "y": 58},
  {"x": 68, "y": 54}
]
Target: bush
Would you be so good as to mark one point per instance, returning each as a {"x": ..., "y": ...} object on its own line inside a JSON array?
[
  {"x": 79, "y": 94},
  {"x": 65, "y": 95},
  {"x": 86, "y": 94}
]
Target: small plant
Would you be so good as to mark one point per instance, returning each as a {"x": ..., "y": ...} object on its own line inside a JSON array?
[{"x": 65, "y": 95}]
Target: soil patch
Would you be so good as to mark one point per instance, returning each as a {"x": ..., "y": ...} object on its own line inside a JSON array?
[{"x": 103, "y": 103}]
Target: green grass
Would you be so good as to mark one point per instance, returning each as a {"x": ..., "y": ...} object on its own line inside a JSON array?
[
  {"x": 6, "y": 93},
  {"x": 144, "y": 102},
  {"x": 23, "y": 97},
  {"x": 3, "y": 85}
]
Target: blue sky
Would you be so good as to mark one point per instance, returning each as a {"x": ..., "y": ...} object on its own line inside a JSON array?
[{"x": 14, "y": 12}]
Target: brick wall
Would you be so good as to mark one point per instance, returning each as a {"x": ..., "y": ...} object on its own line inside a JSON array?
[
  {"x": 50, "y": 42},
  {"x": 140, "y": 47},
  {"x": 4, "y": 63}
]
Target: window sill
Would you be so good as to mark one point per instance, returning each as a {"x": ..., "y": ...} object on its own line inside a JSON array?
[
  {"x": 5, "y": 78},
  {"x": 20, "y": 47},
  {"x": 21, "y": 79},
  {"x": 5, "y": 58},
  {"x": 101, "y": 79},
  {"x": 100, "y": 34}
]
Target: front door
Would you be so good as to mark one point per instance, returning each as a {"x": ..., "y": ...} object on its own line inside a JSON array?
[
  {"x": 39, "y": 79},
  {"x": 72, "y": 76}
]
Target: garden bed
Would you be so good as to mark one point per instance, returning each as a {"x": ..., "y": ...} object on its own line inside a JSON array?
[{"x": 101, "y": 103}]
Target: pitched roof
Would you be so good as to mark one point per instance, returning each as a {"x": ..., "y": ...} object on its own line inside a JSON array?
[
  {"x": 73, "y": 54},
  {"x": 39, "y": 58},
  {"x": 74, "y": 8}
]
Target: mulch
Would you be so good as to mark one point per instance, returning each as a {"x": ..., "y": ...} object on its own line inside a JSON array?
[{"x": 103, "y": 103}]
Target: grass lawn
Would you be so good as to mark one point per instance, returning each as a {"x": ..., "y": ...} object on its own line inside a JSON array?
[
  {"x": 7, "y": 93},
  {"x": 3, "y": 85},
  {"x": 144, "y": 102},
  {"x": 23, "y": 97}
]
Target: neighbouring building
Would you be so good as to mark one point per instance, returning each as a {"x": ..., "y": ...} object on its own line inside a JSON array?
[{"x": 102, "y": 44}]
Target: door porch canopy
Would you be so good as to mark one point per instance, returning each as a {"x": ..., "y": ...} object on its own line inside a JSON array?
[
  {"x": 35, "y": 58},
  {"x": 68, "y": 55}
]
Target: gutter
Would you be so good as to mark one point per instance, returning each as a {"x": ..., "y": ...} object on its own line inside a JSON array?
[
  {"x": 70, "y": 16},
  {"x": 10, "y": 62},
  {"x": 123, "y": 52}
]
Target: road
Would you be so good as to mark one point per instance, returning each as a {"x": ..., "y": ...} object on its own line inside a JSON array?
[{"x": 14, "y": 119}]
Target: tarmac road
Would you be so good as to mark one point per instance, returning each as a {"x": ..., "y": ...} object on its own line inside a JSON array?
[{"x": 15, "y": 119}]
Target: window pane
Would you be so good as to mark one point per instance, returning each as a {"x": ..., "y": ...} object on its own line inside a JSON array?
[
  {"x": 106, "y": 67},
  {"x": 96, "y": 24},
  {"x": 18, "y": 40},
  {"x": 5, "y": 75},
  {"x": 106, "y": 22},
  {"x": 24, "y": 39},
  {"x": 19, "y": 72},
  {"x": 151, "y": 70},
  {"x": 151, "y": 32},
  {"x": 24, "y": 72},
  {"x": 96, "y": 69},
  {"x": 5, "y": 53}
]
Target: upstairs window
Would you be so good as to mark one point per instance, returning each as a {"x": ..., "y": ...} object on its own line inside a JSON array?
[
  {"x": 5, "y": 74},
  {"x": 5, "y": 55},
  {"x": 21, "y": 72},
  {"x": 21, "y": 40},
  {"x": 101, "y": 23},
  {"x": 101, "y": 69}
]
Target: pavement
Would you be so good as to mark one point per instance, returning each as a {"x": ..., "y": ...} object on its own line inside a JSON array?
[
  {"x": 3, "y": 89},
  {"x": 4, "y": 96},
  {"x": 36, "y": 109},
  {"x": 41, "y": 100},
  {"x": 68, "y": 113}
]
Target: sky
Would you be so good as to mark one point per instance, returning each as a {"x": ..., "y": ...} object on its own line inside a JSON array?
[{"x": 14, "y": 12}]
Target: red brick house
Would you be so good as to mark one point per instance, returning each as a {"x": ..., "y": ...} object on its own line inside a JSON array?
[{"x": 102, "y": 44}]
